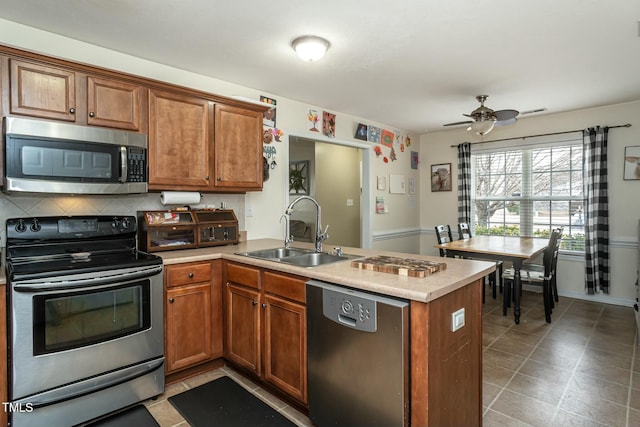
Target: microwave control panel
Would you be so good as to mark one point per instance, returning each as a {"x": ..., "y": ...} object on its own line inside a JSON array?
[{"x": 136, "y": 164}]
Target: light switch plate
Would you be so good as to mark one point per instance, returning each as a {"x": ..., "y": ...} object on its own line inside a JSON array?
[{"x": 457, "y": 320}]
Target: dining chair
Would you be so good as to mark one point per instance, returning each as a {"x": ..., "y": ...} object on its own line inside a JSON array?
[
  {"x": 543, "y": 276},
  {"x": 443, "y": 234},
  {"x": 495, "y": 278}
]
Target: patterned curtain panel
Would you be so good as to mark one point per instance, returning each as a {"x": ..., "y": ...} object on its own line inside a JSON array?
[
  {"x": 464, "y": 183},
  {"x": 596, "y": 209}
]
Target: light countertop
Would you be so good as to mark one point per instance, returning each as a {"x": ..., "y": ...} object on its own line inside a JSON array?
[{"x": 457, "y": 274}]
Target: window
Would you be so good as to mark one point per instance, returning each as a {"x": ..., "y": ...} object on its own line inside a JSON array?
[{"x": 528, "y": 190}]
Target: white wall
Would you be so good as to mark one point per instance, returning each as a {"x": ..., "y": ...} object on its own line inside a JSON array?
[
  {"x": 268, "y": 205},
  {"x": 624, "y": 196}
]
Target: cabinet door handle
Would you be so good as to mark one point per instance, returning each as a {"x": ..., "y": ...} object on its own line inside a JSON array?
[
  {"x": 190, "y": 275},
  {"x": 92, "y": 114},
  {"x": 264, "y": 305},
  {"x": 171, "y": 300},
  {"x": 207, "y": 177},
  {"x": 255, "y": 302},
  {"x": 219, "y": 178},
  {"x": 72, "y": 110}
]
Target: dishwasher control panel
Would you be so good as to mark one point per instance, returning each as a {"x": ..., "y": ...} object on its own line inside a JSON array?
[{"x": 350, "y": 308}]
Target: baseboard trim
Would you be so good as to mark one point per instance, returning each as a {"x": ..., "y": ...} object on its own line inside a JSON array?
[{"x": 600, "y": 298}]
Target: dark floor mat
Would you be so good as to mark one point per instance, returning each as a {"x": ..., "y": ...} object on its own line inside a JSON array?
[
  {"x": 224, "y": 403},
  {"x": 137, "y": 416}
]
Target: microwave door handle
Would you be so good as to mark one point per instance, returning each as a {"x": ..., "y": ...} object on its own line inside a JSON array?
[{"x": 123, "y": 164}]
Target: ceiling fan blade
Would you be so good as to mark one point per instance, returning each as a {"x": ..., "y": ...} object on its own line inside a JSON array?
[
  {"x": 466, "y": 122},
  {"x": 506, "y": 122},
  {"x": 502, "y": 115}
]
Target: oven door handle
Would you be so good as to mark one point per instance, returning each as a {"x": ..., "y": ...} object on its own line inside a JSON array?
[
  {"x": 75, "y": 390},
  {"x": 39, "y": 285}
]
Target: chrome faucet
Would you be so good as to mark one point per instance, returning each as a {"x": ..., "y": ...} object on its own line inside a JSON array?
[
  {"x": 288, "y": 238},
  {"x": 320, "y": 235}
]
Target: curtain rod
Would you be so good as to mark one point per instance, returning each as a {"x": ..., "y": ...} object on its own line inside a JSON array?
[{"x": 628, "y": 125}]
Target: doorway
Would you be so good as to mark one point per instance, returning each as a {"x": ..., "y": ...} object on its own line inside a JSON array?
[{"x": 334, "y": 177}]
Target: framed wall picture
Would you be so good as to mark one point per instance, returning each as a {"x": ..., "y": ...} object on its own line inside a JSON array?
[
  {"x": 441, "y": 177},
  {"x": 632, "y": 163},
  {"x": 299, "y": 177}
]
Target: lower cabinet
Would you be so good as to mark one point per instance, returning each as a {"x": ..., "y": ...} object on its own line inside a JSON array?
[
  {"x": 265, "y": 326},
  {"x": 193, "y": 317}
]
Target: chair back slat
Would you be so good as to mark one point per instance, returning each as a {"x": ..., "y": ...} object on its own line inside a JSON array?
[
  {"x": 443, "y": 234},
  {"x": 464, "y": 232}
]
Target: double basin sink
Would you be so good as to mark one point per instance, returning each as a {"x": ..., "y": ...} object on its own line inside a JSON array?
[{"x": 297, "y": 257}]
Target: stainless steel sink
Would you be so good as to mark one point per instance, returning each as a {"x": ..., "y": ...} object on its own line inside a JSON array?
[
  {"x": 298, "y": 257},
  {"x": 275, "y": 253},
  {"x": 315, "y": 259}
]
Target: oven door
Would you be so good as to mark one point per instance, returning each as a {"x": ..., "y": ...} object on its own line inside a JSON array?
[{"x": 67, "y": 329}]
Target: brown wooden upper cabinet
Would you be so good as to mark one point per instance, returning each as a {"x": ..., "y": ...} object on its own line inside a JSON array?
[
  {"x": 42, "y": 91},
  {"x": 179, "y": 140},
  {"x": 196, "y": 144},
  {"x": 114, "y": 104},
  {"x": 50, "y": 92},
  {"x": 238, "y": 148}
]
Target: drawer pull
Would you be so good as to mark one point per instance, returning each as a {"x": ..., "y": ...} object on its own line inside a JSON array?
[
  {"x": 171, "y": 300},
  {"x": 190, "y": 275}
]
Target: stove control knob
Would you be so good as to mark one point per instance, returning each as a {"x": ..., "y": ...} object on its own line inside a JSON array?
[
  {"x": 35, "y": 225},
  {"x": 115, "y": 223},
  {"x": 20, "y": 226},
  {"x": 125, "y": 223}
]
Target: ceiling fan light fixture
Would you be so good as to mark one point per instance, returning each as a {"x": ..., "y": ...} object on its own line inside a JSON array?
[
  {"x": 482, "y": 127},
  {"x": 310, "y": 48}
]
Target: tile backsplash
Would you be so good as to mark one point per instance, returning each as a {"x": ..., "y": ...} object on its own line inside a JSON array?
[{"x": 23, "y": 205}]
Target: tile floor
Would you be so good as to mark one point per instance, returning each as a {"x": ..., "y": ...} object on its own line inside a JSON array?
[{"x": 583, "y": 369}]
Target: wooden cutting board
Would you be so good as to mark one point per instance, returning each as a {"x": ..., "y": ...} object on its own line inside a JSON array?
[{"x": 400, "y": 266}]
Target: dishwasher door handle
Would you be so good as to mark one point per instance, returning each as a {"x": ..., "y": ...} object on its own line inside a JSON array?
[{"x": 347, "y": 321}]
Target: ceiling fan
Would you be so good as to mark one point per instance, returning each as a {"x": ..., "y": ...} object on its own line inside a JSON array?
[{"x": 484, "y": 118}]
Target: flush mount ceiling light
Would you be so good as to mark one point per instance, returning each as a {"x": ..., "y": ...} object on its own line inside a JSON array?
[{"x": 310, "y": 48}]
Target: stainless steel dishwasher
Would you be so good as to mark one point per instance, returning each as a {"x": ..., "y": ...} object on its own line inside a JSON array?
[{"x": 357, "y": 345}]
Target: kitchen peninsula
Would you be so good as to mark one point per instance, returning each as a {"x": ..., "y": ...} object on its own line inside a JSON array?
[{"x": 445, "y": 366}]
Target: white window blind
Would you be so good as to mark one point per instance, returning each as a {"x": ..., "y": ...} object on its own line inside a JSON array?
[{"x": 529, "y": 186}]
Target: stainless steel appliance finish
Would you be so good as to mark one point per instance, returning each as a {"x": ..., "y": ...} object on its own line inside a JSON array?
[
  {"x": 86, "y": 319},
  {"x": 49, "y": 157},
  {"x": 357, "y": 346}
]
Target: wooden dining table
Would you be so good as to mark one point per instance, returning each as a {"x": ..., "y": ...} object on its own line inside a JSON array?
[{"x": 499, "y": 248}]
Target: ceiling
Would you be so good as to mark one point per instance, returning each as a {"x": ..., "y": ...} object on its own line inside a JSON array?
[{"x": 414, "y": 64}]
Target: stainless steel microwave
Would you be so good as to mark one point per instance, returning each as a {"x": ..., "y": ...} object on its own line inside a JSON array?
[{"x": 50, "y": 157}]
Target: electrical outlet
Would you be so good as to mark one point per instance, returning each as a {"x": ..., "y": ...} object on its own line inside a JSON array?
[
  {"x": 249, "y": 212},
  {"x": 457, "y": 320},
  {"x": 349, "y": 202}
]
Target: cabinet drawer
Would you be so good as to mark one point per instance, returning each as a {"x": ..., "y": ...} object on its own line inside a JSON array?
[
  {"x": 244, "y": 275},
  {"x": 188, "y": 273},
  {"x": 291, "y": 287}
]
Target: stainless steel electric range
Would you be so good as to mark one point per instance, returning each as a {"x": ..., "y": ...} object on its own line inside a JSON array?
[{"x": 85, "y": 319}]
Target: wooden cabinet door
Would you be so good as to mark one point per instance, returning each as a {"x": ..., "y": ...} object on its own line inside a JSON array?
[
  {"x": 188, "y": 326},
  {"x": 285, "y": 346},
  {"x": 238, "y": 148},
  {"x": 179, "y": 141},
  {"x": 243, "y": 327},
  {"x": 41, "y": 91},
  {"x": 114, "y": 104}
]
